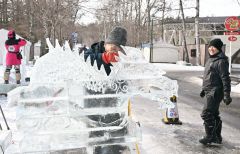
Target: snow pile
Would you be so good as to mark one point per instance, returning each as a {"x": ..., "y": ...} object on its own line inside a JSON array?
[
  {"x": 236, "y": 88},
  {"x": 174, "y": 67}
]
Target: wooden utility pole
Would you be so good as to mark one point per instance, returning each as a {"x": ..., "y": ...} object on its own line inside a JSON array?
[
  {"x": 149, "y": 20},
  {"x": 185, "y": 53},
  {"x": 197, "y": 33}
]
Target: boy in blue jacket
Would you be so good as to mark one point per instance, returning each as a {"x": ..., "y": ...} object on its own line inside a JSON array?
[{"x": 104, "y": 53}]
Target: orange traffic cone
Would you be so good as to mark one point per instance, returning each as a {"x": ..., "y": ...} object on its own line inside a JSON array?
[{"x": 171, "y": 116}]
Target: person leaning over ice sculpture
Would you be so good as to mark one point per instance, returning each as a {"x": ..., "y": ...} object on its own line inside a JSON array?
[
  {"x": 105, "y": 53},
  {"x": 13, "y": 56}
]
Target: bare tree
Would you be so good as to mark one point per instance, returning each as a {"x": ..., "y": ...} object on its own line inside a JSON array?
[
  {"x": 4, "y": 13},
  {"x": 132, "y": 14},
  {"x": 163, "y": 17},
  {"x": 31, "y": 19},
  {"x": 186, "y": 57},
  {"x": 38, "y": 19}
]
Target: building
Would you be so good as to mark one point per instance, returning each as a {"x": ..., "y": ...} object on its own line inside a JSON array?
[{"x": 209, "y": 28}]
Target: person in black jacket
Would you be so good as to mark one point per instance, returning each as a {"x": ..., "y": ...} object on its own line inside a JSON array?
[
  {"x": 216, "y": 87},
  {"x": 104, "y": 53}
]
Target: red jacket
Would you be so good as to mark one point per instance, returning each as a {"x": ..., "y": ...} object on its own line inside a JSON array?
[{"x": 13, "y": 46}]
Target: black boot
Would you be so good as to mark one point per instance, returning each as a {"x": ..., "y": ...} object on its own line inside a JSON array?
[
  {"x": 210, "y": 135},
  {"x": 218, "y": 132},
  {"x": 6, "y": 82}
]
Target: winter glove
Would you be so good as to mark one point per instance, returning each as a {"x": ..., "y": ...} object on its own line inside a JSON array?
[
  {"x": 202, "y": 93},
  {"x": 227, "y": 98},
  {"x": 109, "y": 57}
]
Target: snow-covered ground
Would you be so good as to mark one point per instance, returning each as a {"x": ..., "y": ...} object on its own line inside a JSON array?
[
  {"x": 25, "y": 72},
  {"x": 159, "y": 138},
  {"x": 193, "y": 79},
  {"x": 177, "y": 67}
]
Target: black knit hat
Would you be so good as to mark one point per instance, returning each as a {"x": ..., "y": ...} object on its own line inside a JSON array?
[
  {"x": 118, "y": 36},
  {"x": 217, "y": 43}
]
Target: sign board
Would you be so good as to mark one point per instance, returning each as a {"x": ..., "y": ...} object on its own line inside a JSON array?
[
  {"x": 231, "y": 33},
  {"x": 232, "y": 38},
  {"x": 232, "y": 23}
]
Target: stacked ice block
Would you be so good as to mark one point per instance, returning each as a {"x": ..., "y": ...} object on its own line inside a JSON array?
[{"x": 74, "y": 117}]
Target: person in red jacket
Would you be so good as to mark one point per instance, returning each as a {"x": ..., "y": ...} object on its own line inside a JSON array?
[{"x": 13, "y": 56}]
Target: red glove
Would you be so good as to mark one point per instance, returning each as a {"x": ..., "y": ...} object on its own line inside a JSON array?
[{"x": 109, "y": 57}]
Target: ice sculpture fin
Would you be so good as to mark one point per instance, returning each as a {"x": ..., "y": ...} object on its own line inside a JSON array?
[
  {"x": 95, "y": 66},
  {"x": 57, "y": 46},
  {"x": 67, "y": 46},
  {"x": 49, "y": 44}
]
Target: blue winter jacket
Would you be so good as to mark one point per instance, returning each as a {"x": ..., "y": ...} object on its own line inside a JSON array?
[{"x": 95, "y": 54}]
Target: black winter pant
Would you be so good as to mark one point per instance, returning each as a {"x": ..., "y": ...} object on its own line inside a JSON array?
[{"x": 210, "y": 113}]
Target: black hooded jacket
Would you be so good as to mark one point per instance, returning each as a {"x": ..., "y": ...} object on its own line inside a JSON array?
[
  {"x": 216, "y": 74},
  {"x": 12, "y": 41},
  {"x": 95, "y": 54}
]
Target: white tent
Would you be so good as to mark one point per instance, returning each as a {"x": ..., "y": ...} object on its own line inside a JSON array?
[{"x": 25, "y": 50}]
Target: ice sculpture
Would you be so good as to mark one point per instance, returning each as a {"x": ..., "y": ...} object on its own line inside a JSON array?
[{"x": 71, "y": 106}]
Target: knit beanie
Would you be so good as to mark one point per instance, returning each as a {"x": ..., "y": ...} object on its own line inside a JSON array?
[
  {"x": 11, "y": 34},
  {"x": 217, "y": 43},
  {"x": 118, "y": 36}
]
